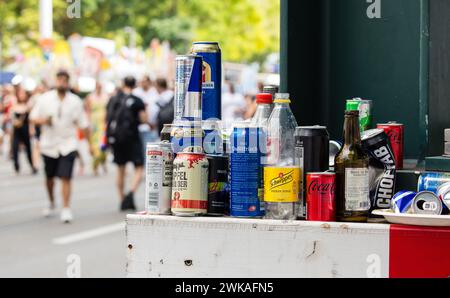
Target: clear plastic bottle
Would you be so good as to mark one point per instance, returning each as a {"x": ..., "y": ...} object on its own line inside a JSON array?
[
  {"x": 281, "y": 174},
  {"x": 264, "y": 108}
]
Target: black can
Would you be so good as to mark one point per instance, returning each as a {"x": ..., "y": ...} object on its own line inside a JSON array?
[
  {"x": 312, "y": 145},
  {"x": 166, "y": 132},
  {"x": 271, "y": 89},
  {"x": 382, "y": 170},
  {"x": 218, "y": 191}
]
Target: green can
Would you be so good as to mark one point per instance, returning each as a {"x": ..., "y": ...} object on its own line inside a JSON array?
[{"x": 364, "y": 107}]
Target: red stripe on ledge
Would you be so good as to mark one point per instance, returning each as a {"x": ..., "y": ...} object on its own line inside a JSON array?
[{"x": 419, "y": 252}]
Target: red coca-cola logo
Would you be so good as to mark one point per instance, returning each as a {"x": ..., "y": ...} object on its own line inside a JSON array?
[
  {"x": 394, "y": 136},
  {"x": 322, "y": 188}
]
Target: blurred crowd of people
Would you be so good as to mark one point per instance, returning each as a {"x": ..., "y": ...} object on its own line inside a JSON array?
[{"x": 50, "y": 122}]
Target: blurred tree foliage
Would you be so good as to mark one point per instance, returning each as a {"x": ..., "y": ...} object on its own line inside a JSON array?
[{"x": 247, "y": 29}]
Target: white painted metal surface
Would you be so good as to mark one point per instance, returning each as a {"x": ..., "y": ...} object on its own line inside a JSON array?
[
  {"x": 415, "y": 219},
  {"x": 167, "y": 246}
]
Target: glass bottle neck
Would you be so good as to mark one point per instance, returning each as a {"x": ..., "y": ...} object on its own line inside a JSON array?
[{"x": 352, "y": 133}]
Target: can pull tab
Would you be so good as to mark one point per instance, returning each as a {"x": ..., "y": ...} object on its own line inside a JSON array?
[{"x": 429, "y": 206}]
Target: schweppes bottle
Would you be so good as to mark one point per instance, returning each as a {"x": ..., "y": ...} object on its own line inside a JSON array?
[{"x": 282, "y": 177}]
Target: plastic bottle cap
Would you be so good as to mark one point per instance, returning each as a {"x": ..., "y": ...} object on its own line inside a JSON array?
[
  {"x": 264, "y": 98},
  {"x": 282, "y": 98}
]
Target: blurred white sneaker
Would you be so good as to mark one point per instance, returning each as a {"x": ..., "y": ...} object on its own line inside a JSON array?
[
  {"x": 66, "y": 215},
  {"x": 48, "y": 212}
]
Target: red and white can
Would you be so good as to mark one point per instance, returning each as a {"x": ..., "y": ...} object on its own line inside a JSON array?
[
  {"x": 190, "y": 184},
  {"x": 395, "y": 132},
  {"x": 320, "y": 196}
]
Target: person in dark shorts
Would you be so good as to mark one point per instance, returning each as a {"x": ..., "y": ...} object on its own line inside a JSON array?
[
  {"x": 60, "y": 114},
  {"x": 125, "y": 112}
]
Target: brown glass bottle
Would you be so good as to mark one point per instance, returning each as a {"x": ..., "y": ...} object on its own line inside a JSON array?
[{"x": 352, "y": 174}]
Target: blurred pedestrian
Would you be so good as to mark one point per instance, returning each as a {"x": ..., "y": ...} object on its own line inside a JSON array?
[
  {"x": 21, "y": 129},
  {"x": 164, "y": 111},
  {"x": 250, "y": 107},
  {"x": 232, "y": 105},
  {"x": 147, "y": 92},
  {"x": 125, "y": 112},
  {"x": 96, "y": 110},
  {"x": 36, "y": 129},
  {"x": 8, "y": 98},
  {"x": 59, "y": 113}
]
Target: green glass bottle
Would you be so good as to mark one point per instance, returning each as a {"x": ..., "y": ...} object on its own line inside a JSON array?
[{"x": 352, "y": 174}]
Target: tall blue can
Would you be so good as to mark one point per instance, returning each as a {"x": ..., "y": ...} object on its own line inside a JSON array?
[
  {"x": 431, "y": 181},
  {"x": 188, "y": 88},
  {"x": 212, "y": 78},
  {"x": 245, "y": 172}
]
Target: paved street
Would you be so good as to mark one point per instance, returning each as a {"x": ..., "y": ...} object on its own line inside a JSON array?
[{"x": 33, "y": 246}]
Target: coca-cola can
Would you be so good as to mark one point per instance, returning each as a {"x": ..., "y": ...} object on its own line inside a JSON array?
[
  {"x": 320, "y": 196},
  {"x": 395, "y": 132}
]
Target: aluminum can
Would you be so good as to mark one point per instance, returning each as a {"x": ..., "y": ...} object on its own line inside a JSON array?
[
  {"x": 402, "y": 201},
  {"x": 431, "y": 181},
  {"x": 166, "y": 132},
  {"x": 364, "y": 107},
  {"x": 211, "y": 77},
  {"x": 246, "y": 198},
  {"x": 212, "y": 137},
  {"x": 218, "y": 194},
  {"x": 186, "y": 134},
  {"x": 158, "y": 178},
  {"x": 395, "y": 132},
  {"x": 382, "y": 169},
  {"x": 188, "y": 88},
  {"x": 443, "y": 193},
  {"x": 312, "y": 155},
  {"x": 427, "y": 203},
  {"x": 335, "y": 147},
  {"x": 320, "y": 196},
  {"x": 271, "y": 89},
  {"x": 190, "y": 183}
]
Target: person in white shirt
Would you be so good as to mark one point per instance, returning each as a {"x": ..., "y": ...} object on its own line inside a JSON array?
[
  {"x": 232, "y": 105},
  {"x": 147, "y": 92},
  {"x": 60, "y": 113}
]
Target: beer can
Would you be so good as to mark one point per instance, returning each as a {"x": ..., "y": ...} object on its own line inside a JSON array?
[
  {"x": 402, "y": 201},
  {"x": 188, "y": 88},
  {"x": 395, "y": 132},
  {"x": 364, "y": 107},
  {"x": 246, "y": 198},
  {"x": 186, "y": 134},
  {"x": 382, "y": 170},
  {"x": 312, "y": 155},
  {"x": 166, "y": 132},
  {"x": 211, "y": 77},
  {"x": 431, "y": 181},
  {"x": 427, "y": 203},
  {"x": 320, "y": 196},
  {"x": 443, "y": 193},
  {"x": 335, "y": 147},
  {"x": 158, "y": 178},
  {"x": 271, "y": 89},
  {"x": 190, "y": 183},
  {"x": 218, "y": 195},
  {"x": 212, "y": 137}
]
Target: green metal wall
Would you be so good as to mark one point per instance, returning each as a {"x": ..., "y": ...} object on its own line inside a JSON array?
[{"x": 332, "y": 50}]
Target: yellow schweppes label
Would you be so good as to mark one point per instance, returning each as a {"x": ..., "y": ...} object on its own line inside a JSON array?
[{"x": 281, "y": 185}]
